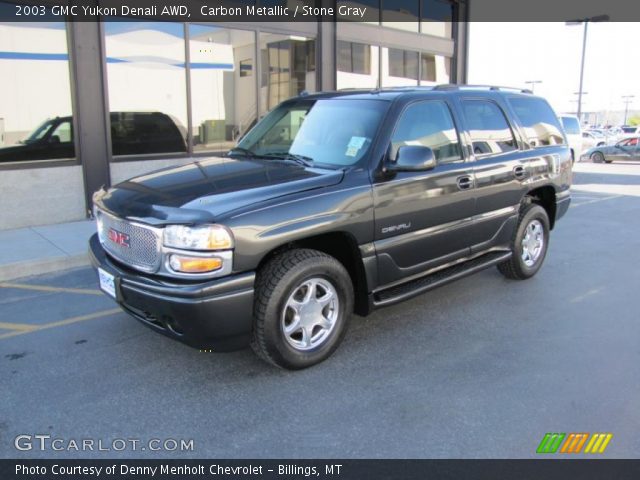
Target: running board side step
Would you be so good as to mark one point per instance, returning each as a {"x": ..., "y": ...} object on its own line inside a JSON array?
[{"x": 420, "y": 285}]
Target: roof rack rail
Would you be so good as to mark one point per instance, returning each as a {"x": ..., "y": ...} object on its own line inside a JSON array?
[{"x": 453, "y": 86}]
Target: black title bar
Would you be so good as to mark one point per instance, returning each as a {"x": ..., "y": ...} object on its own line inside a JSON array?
[
  {"x": 324, "y": 469},
  {"x": 317, "y": 10}
]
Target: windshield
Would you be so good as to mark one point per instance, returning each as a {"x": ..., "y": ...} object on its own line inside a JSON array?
[
  {"x": 571, "y": 125},
  {"x": 335, "y": 133},
  {"x": 39, "y": 132}
]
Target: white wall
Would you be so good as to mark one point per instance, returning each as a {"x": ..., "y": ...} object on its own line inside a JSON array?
[{"x": 41, "y": 196}]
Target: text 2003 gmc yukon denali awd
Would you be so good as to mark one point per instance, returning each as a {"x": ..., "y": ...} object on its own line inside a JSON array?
[{"x": 335, "y": 203}]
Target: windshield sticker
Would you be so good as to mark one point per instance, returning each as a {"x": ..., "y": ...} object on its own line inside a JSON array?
[{"x": 355, "y": 144}]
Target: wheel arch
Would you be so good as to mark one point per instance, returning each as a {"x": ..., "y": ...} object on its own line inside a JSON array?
[
  {"x": 344, "y": 248},
  {"x": 545, "y": 197}
]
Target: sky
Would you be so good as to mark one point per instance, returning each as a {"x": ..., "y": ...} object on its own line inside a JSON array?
[{"x": 509, "y": 54}]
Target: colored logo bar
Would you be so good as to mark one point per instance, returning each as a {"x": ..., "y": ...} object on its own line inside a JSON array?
[{"x": 574, "y": 442}]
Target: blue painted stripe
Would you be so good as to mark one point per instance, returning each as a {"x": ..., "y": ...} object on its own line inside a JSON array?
[
  {"x": 64, "y": 56},
  {"x": 228, "y": 66},
  {"x": 33, "y": 56}
]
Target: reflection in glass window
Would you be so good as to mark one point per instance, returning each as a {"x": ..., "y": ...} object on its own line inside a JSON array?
[
  {"x": 35, "y": 98},
  {"x": 490, "y": 132},
  {"x": 428, "y": 124},
  {"x": 357, "y": 65},
  {"x": 146, "y": 74},
  {"x": 246, "y": 68},
  {"x": 434, "y": 69},
  {"x": 437, "y": 17},
  {"x": 402, "y": 14},
  {"x": 541, "y": 125},
  {"x": 223, "y": 88},
  {"x": 399, "y": 67},
  {"x": 290, "y": 60}
]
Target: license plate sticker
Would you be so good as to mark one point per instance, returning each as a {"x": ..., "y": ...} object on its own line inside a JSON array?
[{"x": 107, "y": 282}]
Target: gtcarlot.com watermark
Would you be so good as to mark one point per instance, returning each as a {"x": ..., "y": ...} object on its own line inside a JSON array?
[{"x": 48, "y": 443}]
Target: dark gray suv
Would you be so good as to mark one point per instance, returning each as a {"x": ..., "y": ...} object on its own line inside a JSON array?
[{"x": 335, "y": 203}]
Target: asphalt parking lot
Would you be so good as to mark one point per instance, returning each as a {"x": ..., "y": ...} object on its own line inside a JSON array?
[{"x": 480, "y": 368}]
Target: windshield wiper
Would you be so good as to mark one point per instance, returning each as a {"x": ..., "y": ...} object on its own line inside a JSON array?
[
  {"x": 301, "y": 159},
  {"x": 244, "y": 151}
]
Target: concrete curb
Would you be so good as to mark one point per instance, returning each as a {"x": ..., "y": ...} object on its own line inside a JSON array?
[{"x": 28, "y": 268}]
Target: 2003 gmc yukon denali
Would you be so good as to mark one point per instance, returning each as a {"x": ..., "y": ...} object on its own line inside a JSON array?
[{"x": 335, "y": 203}]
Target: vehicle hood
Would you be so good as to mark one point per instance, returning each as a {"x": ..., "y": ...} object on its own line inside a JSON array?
[{"x": 206, "y": 189}]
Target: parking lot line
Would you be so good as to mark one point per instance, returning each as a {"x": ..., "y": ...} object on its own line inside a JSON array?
[
  {"x": 46, "y": 288},
  {"x": 597, "y": 200},
  {"x": 17, "y": 326},
  {"x": 61, "y": 323}
]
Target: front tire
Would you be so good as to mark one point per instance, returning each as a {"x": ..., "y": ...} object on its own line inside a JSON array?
[
  {"x": 303, "y": 302},
  {"x": 598, "y": 157},
  {"x": 529, "y": 244}
]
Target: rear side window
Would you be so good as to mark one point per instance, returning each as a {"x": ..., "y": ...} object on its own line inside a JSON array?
[
  {"x": 571, "y": 125},
  {"x": 541, "y": 125},
  {"x": 488, "y": 127},
  {"x": 428, "y": 124}
]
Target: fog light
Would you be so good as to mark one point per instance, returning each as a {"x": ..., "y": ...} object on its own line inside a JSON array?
[{"x": 184, "y": 264}]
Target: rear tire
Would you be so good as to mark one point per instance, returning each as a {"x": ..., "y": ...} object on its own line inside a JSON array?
[
  {"x": 303, "y": 302},
  {"x": 529, "y": 244}
]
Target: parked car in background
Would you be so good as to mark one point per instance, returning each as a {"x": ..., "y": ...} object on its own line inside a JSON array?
[
  {"x": 629, "y": 131},
  {"x": 132, "y": 133},
  {"x": 592, "y": 139},
  {"x": 626, "y": 149},
  {"x": 572, "y": 130}
]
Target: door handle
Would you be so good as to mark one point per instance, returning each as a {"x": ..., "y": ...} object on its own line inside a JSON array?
[
  {"x": 519, "y": 172},
  {"x": 464, "y": 183}
]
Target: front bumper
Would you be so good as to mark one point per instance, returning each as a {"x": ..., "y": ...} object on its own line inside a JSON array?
[{"x": 213, "y": 314}]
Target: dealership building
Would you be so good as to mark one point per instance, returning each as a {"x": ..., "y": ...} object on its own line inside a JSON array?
[{"x": 85, "y": 105}]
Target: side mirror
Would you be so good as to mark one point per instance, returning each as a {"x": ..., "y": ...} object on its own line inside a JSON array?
[
  {"x": 54, "y": 140},
  {"x": 413, "y": 158}
]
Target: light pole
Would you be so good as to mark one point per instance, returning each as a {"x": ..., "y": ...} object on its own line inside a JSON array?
[
  {"x": 585, "y": 21},
  {"x": 626, "y": 99},
  {"x": 533, "y": 84}
]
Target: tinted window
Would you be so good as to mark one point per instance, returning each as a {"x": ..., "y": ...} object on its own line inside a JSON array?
[
  {"x": 541, "y": 125},
  {"x": 488, "y": 127},
  {"x": 571, "y": 125},
  {"x": 629, "y": 129},
  {"x": 429, "y": 124}
]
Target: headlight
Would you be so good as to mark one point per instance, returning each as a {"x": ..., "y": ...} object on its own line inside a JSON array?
[{"x": 206, "y": 237}]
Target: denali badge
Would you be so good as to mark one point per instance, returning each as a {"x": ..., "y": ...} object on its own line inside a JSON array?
[
  {"x": 119, "y": 238},
  {"x": 395, "y": 228}
]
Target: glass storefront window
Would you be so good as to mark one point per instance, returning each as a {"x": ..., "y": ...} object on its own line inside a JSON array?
[
  {"x": 291, "y": 68},
  {"x": 437, "y": 17},
  {"x": 401, "y": 14},
  {"x": 35, "y": 98},
  {"x": 399, "y": 67},
  {"x": 147, "y": 87},
  {"x": 223, "y": 87},
  {"x": 357, "y": 65},
  {"x": 434, "y": 69}
]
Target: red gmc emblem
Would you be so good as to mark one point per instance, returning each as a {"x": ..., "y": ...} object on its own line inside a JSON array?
[{"x": 119, "y": 238}]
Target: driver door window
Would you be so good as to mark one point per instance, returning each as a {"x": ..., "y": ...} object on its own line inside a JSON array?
[{"x": 428, "y": 124}]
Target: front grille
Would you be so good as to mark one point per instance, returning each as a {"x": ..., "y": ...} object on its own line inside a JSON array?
[{"x": 143, "y": 250}]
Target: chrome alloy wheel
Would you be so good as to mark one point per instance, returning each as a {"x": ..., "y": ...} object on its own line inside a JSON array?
[
  {"x": 532, "y": 243},
  {"x": 310, "y": 314}
]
